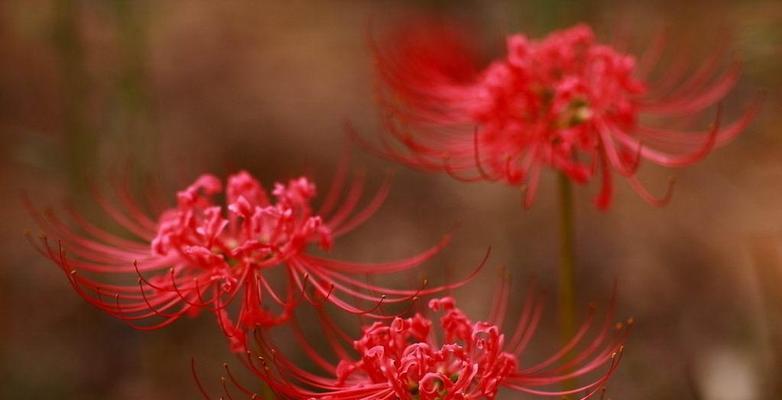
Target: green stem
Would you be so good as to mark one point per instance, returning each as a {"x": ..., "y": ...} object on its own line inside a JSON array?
[
  {"x": 266, "y": 392},
  {"x": 80, "y": 144},
  {"x": 133, "y": 117},
  {"x": 566, "y": 259},
  {"x": 566, "y": 266}
]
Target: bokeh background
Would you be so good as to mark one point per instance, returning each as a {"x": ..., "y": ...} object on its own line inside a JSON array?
[{"x": 168, "y": 90}]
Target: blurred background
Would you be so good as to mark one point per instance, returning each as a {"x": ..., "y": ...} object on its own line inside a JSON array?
[{"x": 172, "y": 89}]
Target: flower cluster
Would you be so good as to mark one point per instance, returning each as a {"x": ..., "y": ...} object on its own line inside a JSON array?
[
  {"x": 202, "y": 255},
  {"x": 566, "y": 102},
  {"x": 251, "y": 257},
  {"x": 404, "y": 360}
]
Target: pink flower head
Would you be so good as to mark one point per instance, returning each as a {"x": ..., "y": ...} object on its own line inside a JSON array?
[
  {"x": 565, "y": 101},
  {"x": 254, "y": 251},
  {"x": 409, "y": 359}
]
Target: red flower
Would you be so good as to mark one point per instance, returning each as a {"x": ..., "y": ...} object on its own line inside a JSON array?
[
  {"x": 566, "y": 101},
  {"x": 407, "y": 360},
  {"x": 202, "y": 255}
]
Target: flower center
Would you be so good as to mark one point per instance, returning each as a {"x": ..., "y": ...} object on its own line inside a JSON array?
[
  {"x": 250, "y": 231},
  {"x": 576, "y": 113}
]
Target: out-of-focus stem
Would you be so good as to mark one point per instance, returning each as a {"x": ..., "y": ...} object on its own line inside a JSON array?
[
  {"x": 132, "y": 116},
  {"x": 266, "y": 392},
  {"x": 80, "y": 144},
  {"x": 566, "y": 259}
]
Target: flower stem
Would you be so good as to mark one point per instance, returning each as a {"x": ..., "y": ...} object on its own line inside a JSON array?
[
  {"x": 80, "y": 143},
  {"x": 566, "y": 259},
  {"x": 566, "y": 266},
  {"x": 266, "y": 392}
]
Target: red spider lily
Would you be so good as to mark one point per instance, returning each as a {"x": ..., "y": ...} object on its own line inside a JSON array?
[
  {"x": 202, "y": 255},
  {"x": 566, "y": 101},
  {"x": 407, "y": 359}
]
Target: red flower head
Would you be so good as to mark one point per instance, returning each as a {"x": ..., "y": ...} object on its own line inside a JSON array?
[
  {"x": 203, "y": 255},
  {"x": 406, "y": 359},
  {"x": 566, "y": 101}
]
